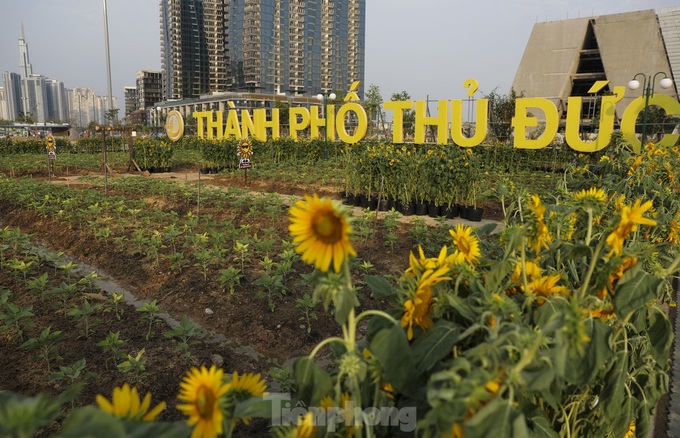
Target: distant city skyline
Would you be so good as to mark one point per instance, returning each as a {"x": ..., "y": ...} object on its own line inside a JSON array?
[
  {"x": 425, "y": 47},
  {"x": 30, "y": 96}
]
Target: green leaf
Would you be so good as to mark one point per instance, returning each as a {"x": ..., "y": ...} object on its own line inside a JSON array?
[
  {"x": 259, "y": 406},
  {"x": 660, "y": 334},
  {"x": 496, "y": 274},
  {"x": 391, "y": 348},
  {"x": 312, "y": 381},
  {"x": 496, "y": 419},
  {"x": 487, "y": 229},
  {"x": 90, "y": 422},
  {"x": 538, "y": 376},
  {"x": 434, "y": 344},
  {"x": 584, "y": 368},
  {"x": 631, "y": 294},
  {"x": 380, "y": 287},
  {"x": 576, "y": 252},
  {"x": 615, "y": 385},
  {"x": 539, "y": 427},
  {"x": 156, "y": 429},
  {"x": 345, "y": 301}
]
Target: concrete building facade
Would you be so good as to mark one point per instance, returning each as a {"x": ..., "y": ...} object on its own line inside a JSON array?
[{"x": 565, "y": 58}]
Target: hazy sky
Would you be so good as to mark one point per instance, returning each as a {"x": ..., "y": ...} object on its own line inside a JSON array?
[{"x": 425, "y": 47}]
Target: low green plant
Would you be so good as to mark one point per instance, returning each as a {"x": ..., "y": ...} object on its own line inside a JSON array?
[
  {"x": 73, "y": 374},
  {"x": 177, "y": 261},
  {"x": 273, "y": 285},
  {"x": 21, "y": 267},
  {"x": 134, "y": 367},
  {"x": 113, "y": 343},
  {"x": 306, "y": 305},
  {"x": 116, "y": 301},
  {"x": 204, "y": 259},
  {"x": 150, "y": 312},
  {"x": 284, "y": 378},
  {"x": 185, "y": 331},
  {"x": 63, "y": 292},
  {"x": 229, "y": 278},
  {"x": 391, "y": 229},
  {"x": 47, "y": 344},
  {"x": 69, "y": 268},
  {"x": 86, "y": 315},
  {"x": 241, "y": 249},
  {"x": 364, "y": 225},
  {"x": 12, "y": 316},
  {"x": 38, "y": 284}
]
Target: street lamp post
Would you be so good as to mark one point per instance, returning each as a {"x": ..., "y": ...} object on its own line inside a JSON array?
[
  {"x": 158, "y": 116},
  {"x": 323, "y": 98},
  {"x": 648, "y": 84}
]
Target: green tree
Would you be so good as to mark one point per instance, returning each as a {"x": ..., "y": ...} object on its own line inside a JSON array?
[
  {"x": 111, "y": 116},
  {"x": 373, "y": 105},
  {"x": 501, "y": 112},
  {"x": 283, "y": 108},
  {"x": 409, "y": 115}
]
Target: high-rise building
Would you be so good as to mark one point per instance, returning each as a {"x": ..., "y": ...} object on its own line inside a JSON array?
[
  {"x": 13, "y": 95},
  {"x": 295, "y": 47},
  {"x": 3, "y": 104},
  {"x": 57, "y": 103},
  {"x": 130, "y": 95},
  {"x": 149, "y": 88}
]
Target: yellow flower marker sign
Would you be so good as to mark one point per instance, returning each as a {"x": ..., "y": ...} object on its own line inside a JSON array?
[
  {"x": 447, "y": 122},
  {"x": 174, "y": 125}
]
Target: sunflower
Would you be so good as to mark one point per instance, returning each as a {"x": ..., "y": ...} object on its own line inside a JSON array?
[
  {"x": 455, "y": 432},
  {"x": 630, "y": 433},
  {"x": 248, "y": 384},
  {"x": 305, "y": 427},
  {"x": 417, "y": 309},
  {"x": 202, "y": 390},
  {"x": 674, "y": 231},
  {"x": 422, "y": 264},
  {"x": 631, "y": 217},
  {"x": 467, "y": 245},
  {"x": 615, "y": 276},
  {"x": 321, "y": 232},
  {"x": 539, "y": 236},
  {"x": 592, "y": 195},
  {"x": 546, "y": 286},
  {"x": 326, "y": 403},
  {"x": 126, "y": 404},
  {"x": 531, "y": 269}
]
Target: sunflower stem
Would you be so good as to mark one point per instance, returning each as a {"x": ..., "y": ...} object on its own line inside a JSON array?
[
  {"x": 591, "y": 268},
  {"x": 590, "y": 226},
  {"x": 323, "y": 343},
  {"x": 366, "y": 313}
]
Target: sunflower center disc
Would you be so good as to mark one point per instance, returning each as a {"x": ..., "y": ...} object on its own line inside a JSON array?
[
  {"x": 328, "y": 228},
  {"x": 205, "y": 402}
]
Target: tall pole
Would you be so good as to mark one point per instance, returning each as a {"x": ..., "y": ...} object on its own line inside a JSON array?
[
  {"x": 648, "y": 84},
  {"x": 648, "y": 92},
  {"x": 108, "y": 56}
]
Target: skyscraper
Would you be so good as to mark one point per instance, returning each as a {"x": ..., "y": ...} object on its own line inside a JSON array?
[
  {"x": 33, "y": 96},
  {"x": 296, "y": 47}
]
